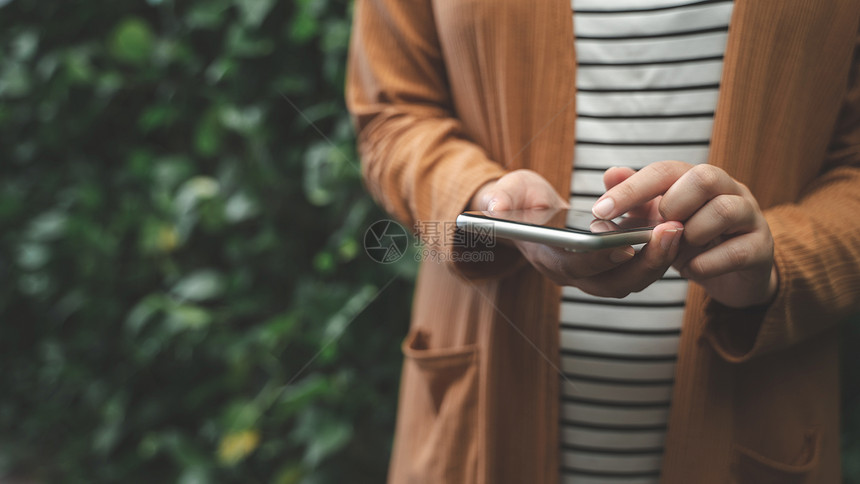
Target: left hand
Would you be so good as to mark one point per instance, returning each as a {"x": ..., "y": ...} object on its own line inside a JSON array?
[{"x": 727, "y": 246}]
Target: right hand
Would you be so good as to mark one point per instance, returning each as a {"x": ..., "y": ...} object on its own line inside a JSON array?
[{"x": 610, "y": 272}]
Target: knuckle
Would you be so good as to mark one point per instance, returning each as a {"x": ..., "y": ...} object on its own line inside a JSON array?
[
  {"x": 694, "y": 269},
  {"x": 726, "y": 209},
  {"x": 555, "y": 264},
  {"x": 696, "y": 238},
  {"x": 737, "y": 256},
  {"x": 705, "y": 176},
  {"x": 654, "y": 264},
  {"x": 623, "y": 191},
  {"x": 665, "y": 168},
  {"x": 666, "y": 209}
]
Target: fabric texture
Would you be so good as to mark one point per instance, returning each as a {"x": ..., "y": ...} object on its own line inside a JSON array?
[
  {"x": 450, "y": 94},
  {"x": 643, "y": 95}
]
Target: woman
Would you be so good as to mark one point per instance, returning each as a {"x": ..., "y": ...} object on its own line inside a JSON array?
[{"x": 471, "y": 104}]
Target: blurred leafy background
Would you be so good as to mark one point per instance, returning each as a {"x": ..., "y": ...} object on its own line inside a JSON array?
[
  {"x": 183, "y": 291},
  {"x": 181, "y": 216}
]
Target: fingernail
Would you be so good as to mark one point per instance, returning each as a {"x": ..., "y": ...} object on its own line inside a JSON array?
[
  {"x": 670, "y": 238},
  {"x": 622, "y": 255},
  {"x": 601, "y": 226},
  {"x": 492, "y": 205},
  {"x": 603, "y": 208}
]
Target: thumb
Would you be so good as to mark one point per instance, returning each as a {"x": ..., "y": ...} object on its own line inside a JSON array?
[{"x": 499, "y": 200}]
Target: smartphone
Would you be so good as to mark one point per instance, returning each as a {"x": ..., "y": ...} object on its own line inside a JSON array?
[{"x": 574, "y": 230}]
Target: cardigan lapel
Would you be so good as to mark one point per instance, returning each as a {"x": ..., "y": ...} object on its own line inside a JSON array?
[
  {"x": 784, "y": 64},
  {"x": 783, "y": 71},
  {"x": 529, "y": 78}
]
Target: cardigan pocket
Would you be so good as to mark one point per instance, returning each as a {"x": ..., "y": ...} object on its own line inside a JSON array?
[
  {"x": 439, "y": 424},
  {"x": 750, "y": 467}
]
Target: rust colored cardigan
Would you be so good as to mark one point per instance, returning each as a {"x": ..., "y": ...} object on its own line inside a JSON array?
[{"x": 450, "y": 94}]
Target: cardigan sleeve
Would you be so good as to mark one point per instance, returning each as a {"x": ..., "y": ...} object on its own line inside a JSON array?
[
  {"x": 417, "y": 159},
  {"x": 816, "y": 253}
]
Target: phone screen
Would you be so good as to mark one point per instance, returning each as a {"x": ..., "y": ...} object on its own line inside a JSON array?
[{"x": 574, "y": 220}]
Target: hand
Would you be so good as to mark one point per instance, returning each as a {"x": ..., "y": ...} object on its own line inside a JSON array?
[
  {"x": 727, "y": 245},
  {"x": 610, "y": 272}
]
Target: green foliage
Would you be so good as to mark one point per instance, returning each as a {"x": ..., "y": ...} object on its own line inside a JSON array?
[{"x": 183, "y": 292}]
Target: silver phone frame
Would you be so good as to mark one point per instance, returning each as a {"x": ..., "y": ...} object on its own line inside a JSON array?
[{"x": 568, "y": 239}]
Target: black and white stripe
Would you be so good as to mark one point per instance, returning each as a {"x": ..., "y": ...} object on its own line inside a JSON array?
[{"x": 648, "y": 79}]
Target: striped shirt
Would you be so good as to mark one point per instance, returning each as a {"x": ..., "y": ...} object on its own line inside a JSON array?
[{"x": 648, "y": 74}]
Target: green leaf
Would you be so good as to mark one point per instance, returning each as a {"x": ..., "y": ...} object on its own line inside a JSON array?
[
  {"x": 240, "y": 207},
  {"x": 254, "y": 11},
  {"x": 47, "y": 226},
  {"x": 196, "y": 474},
  {"x": 107, "y": 435},
  {"x": 25, "y": 44},
  {"x": 335, "y": 36},
  {"x": 242, "y": 43},
  {"x": 243, "y": 120},
  {"x": 168, "y": 171},
  {"x": 290, "y": 474},
  {"x": 325, "y": 168},
  {"x": 221, "y": 68},
  {"x": 158, "y": 116},
  {"x": 305, "y": 24},
  {"x": 200, "y": 285},
  {"x": 132, "y": 41},
  {"x": 207, "y": 15},
  {"x": 208, "y": 136},
  {"x": 338, "y": 323},
  {"x": 187, "y": 317},
  {"x": 14, "y": 80},
  {"x": 194, "y": 190},
  {"x": 143, "y": 311},
  {"x": 278, "y": 327},
  {"x": 323, "y": 434},
  {"x": 240, "y": 415},
  {"x": 324, "y": 262},
  {"x": 32, "y": 256},
  {"x": 305, "y": 391}
]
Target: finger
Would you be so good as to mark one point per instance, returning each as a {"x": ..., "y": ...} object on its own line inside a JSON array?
[
  {"x": 687, "y": 252},
  {"x": 599, "y": 226},
  {"x": 641, "y": 187},
  {"x": 523, "y": 189},
  {"x": 648, "y": 266},
  {"x": 615, "y": 175},
  {"x": 694, "y": 189},
  {"x": 739, "y": 253},
  {"x": 508, "y": 193},
  {"x": 723, "y": 214},
  {"x": 564, "y": 267},
  {"x": 500, "y": 200}
]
